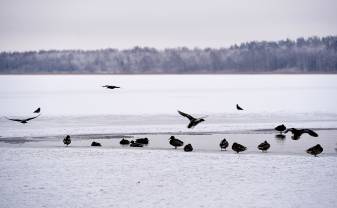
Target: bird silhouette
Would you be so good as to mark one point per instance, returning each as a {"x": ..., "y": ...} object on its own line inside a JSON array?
[
  {"x": 67, "y": 140},
  {"x": 143, "y": 140},
  {"x": 96, "y": 144},
  {"x": 223, "y": 144},
  {"x": 280, "y": 128},
  {"x": 297, "y": 133},
  {"x": 238, "y": 107},
  {"x": 124, "y": 142},
  {"x": 175, "y": 142},
  {"x": 264, "y": 146},
  {"x": 23, "y": 121},
  {"x": 37, "y": 110},
  {"x": 110, "y": 87},
  {"x": 238, "y": 147},
  {"x": 315, "y": 150},
  {"x": 193, "y": 121},
  {"x": 135, "y": 144},
  {"x": 188, "y": 148}
]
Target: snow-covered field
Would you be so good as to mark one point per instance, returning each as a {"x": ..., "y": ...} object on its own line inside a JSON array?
[{"x": 100, "y": 177}]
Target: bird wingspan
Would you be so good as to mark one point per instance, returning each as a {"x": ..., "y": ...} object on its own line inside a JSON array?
[
  {"x": 28, "y": 119},
  {"x": 12, "y": 119},
  {"x": 310, "y": 132},
  {"x": 186, "y": 115}
]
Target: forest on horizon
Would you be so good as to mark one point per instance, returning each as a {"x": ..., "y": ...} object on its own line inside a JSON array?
[{"x": 303, "y": 55}]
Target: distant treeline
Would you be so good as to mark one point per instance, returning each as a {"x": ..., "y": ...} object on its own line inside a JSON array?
[{"x": 311, "y": 55}]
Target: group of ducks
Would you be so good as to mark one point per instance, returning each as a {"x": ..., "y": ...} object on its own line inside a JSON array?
[{"x": 236, "y": 147}]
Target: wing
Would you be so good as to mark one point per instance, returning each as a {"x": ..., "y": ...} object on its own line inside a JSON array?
[
  {"x": 18, "y": 120},
  {"x": 310, "y": 132},
  {"x": 28, "y": 119},
  {"x": 37, "y": 110},
  {"x": 186, "y": 115}
]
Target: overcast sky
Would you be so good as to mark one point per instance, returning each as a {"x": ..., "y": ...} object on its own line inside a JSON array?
[{"x": 95, "y": 24}]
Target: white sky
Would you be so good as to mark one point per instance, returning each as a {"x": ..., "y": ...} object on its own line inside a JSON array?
[{"x": 95, "y": 24}]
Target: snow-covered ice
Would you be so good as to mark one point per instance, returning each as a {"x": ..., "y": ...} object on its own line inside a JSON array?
[{"x": 101, "y": 177}]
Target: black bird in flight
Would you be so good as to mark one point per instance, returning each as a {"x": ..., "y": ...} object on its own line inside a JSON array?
[
  {"x": 37, "y": 110},
  {"x": 223, "y": 144},
  {"x": 23, "y": 121},
  {"x": 193, "y": 121},
  {"x": 110, "y": 87},
  {"x": 264, "y": 146},
  {"x": 238, "y": 147},
  {"x": 315, "y": 150},
  {"x": 238, "y": 107},
  {"x": 297, "y": 133}
]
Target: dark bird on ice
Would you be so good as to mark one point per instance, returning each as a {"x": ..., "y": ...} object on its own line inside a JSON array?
[
  {"x": 223, "y": 144},
  {"x": 238, "y": 107},
  {"x": 264, "y": 146},
  {"x": 238, "y": 147},
  {"x": 110, "y": 87},
  {"x": 188, "y": 148},
  {"x": 143, "y": 140},
  {"x": 23, "y": 121},
  {"x": 96, "y": 144},
  {"x": 124, "y": 142},
  {"x": 135, "y": 144},
  {"x": 315, "y": 150},
  {"x": 67, "y": 140},
  {"x": 297, "y": 133},
  {"x": 193, "y": 121},
  {"x": 37, "y": 110},
  {"x": 280, "y": 128},
  {"x": 175, "y": 142}
]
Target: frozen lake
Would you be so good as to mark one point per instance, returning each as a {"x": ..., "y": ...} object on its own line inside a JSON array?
[{"x": 77, "y": 104}]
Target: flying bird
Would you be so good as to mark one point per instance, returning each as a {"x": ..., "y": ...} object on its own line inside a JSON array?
[
  {"x": 223, "y": 144},
  {"x": 264, "y": 146},
  {"x": 67, "y": 140},
  {"x": 175, "y": 142},
  {"x": 238, "y": 147},
  {"x": 193, "y": 121},
  {"x": 188, "y": 148},
  {"x": 280, "y": 128},
  {"x": 110, "y": 87},
  {"x": 315, "y": 150},
  {"x": 37, "y": 110},
  {"x": 297, "y": 133},
  {"x": 23, "y": 121},
  {"x": 238, "y": 107}
]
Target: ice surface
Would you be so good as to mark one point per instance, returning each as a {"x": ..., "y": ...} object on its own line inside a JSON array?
[{"x": 98, "y": 177}]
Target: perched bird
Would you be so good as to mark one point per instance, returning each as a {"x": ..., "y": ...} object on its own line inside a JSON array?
[
  {"x": 238, "y": 147},
  {"x": 298, "y": 132},
  {"x": 67, "y": 140},
  {"x": 280, "y": 128},
  {"x": 315, "y": 150},
  {"x": 96, "y": 144},
  {"x": 188, "y": 148},
  {"x": 135, "y": 144},
  {"x": 110, "y": 87},
  {"x": 23, "y": 121},
  {"x": 37, "y": 110},
  {"x": 238, "y": 107},
  {"x": 193, "y": 121},
  {"x": 223, "y": 144},
  {"x": 142, "y": 140},
  {"x": 124, "y": 142},
  {"x": 264, "y": 146},
  {"x": 175, "y": 142}
]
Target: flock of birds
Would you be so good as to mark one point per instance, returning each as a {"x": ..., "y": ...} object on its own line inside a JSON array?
[{"x": 193, "y": 121}]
